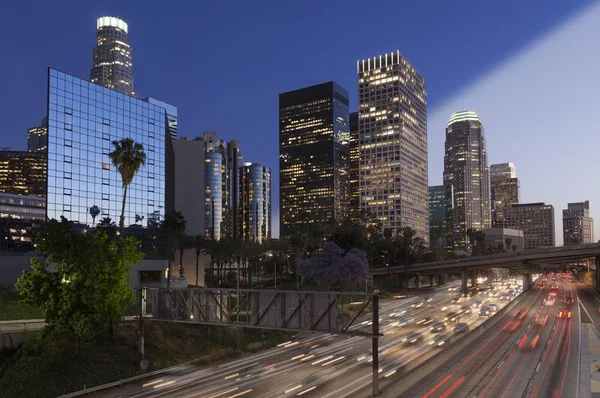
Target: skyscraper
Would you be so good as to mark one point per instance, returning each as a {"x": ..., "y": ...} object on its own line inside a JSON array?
[
  {"x": 503, "y": 170},
  {"x": 536, "y": 220},
  {"x": 37, "y": 137},
  {"x": 171, "y": 115},
  {"x": 354, "y": 160},
  {"x": 254, "y": 220},
  {"x": 504, "y": 193},
  {"x": 466, "y": 179},
  {"x": 393, "y": 143},
  {"x": 314, "y": 152},
  {"x": 83, "y": 121},
  {"x": 112, "y": 56},
  {"x": 23, "y": 173},
  {"x": 221, "y": 160},
  {"x": 437, "y": 217},
  {"x": 578, "y": 225}
]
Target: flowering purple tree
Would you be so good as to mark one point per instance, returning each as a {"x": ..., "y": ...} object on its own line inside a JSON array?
[{"x": 332, "y": 265}]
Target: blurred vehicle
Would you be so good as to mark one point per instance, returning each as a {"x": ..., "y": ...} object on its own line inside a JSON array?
[
  {"x": 531, "y": 338},
  {"x": 485, "y": 311},
  {"x": 399, "y": 296},
  {"x": 564, "y": 314},
  {"x": 451, "y": 317},
  {"x": 418, "y": 305},
  {"x": 438, "y": 340},
  {"x": 402, "y": 322},
  {"x": 460, "y": 327},
  {"x": 425, "y": 320},
  {"x": 428, "y": 299},
  {"x": 412, "y": 338},
  {"x": 456, "y": 300},
  {"x": 465, "y": 309},
  {"x": 477, "y": 304},
  {"x": 397, "y": 314},
  {"x": 438, "y": 327},
  {"x": 554, "y": 286},
  {"x": 493, "y": 307},
  {"x": 569, "y": 299},
  {"x": 505, "y": 297}
]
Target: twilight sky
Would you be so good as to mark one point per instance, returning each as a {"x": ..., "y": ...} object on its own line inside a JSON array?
[{"x": 528, "y": 68}]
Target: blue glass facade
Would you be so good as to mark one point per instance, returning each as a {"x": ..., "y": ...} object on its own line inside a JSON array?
[
  {"x": 213, "y": 180},
  {"x": 254, "y": 202},
  {"x": 83, "y": 120}
]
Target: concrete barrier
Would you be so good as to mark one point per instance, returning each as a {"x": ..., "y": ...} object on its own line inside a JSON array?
[{"x": 418, "y": 373}]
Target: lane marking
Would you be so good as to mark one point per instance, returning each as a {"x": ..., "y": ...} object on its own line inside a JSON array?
[{"x": 588, "y": 314}]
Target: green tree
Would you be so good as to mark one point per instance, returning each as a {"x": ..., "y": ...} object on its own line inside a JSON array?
[
  {"x": 185, "y": 243},
  {"x": 128, "y": 157},
  {"x": 174, "y": 224},
  {"x": 94, "y": 211},
  {"x": 83, "y": 284}
]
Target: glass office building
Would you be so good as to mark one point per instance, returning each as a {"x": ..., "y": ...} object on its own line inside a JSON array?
[
  {"x": 254, "y": 221},
  {"x": 23, "y": 173},
  {"x": 83, "y": 121},
  {"x": 314, "y": 156},
  {"x": 354, "y": 161},
  {"x": 21, "y": 219}
]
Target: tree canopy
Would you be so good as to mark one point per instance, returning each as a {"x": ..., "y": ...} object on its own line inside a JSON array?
[
  {"x": 83, "y": 284},
  {"x": 332, "y": 265}
]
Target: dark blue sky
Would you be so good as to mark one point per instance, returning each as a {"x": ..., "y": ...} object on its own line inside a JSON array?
[{"x": 224, "y": 63}]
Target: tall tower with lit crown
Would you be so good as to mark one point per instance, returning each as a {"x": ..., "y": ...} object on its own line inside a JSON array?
[{"x": 112, "y": 56}]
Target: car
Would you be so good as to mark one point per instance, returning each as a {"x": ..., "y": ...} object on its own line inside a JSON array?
[
  {"x": 438, "y": 327},
  {"x": 451, "y": 317},
  {"x": 485, "y": 311},
  {"x": 428, "y": 299},
  {"x": 505, "y": 297},
  {"x": 438, "y": 340},
  {"x": 465, "y": 309},
  {"x": 425, "y": 320},
  {"x": 418, "y": 305},
  {"x": 477, "y": 304},
  {"x": 402, "y": 322},
  {"x": 564, "y": 314},
  {"x": 493, "y": 307},
  {"x": 456, "y": 300},
  {"x": 460, "y": 327},
  {"x": 412, "y": 338}
]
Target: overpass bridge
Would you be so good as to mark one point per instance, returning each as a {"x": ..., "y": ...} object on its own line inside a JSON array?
[{"x": 525, "y": 262}]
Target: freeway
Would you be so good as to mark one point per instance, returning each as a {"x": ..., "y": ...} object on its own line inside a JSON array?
[
  {"x": 319, "y": 365},
  {"x": 534, "y": 353}
]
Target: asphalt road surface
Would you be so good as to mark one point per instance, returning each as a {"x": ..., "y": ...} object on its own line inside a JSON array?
[{"x": 533, "y": 353}]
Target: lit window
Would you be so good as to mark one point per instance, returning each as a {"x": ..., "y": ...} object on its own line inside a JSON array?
[{"x": 106, "y": 166}]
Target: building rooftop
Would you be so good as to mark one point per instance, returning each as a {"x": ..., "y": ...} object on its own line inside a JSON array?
[{"x": 464, "y": 116}]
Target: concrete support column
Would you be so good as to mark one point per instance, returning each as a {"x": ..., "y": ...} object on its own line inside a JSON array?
[
  {"x": 465, "y": 290},
  {"x": 527, "y": 281},
  {"x": 598, "y": 271},
  {"x": 418, "y": 282},
  {"x": 441, "y": 279},
  {"x": 431, "y": 280},
  {"x": 473, "y": 278}
]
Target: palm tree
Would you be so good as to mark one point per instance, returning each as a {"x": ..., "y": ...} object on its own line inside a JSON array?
[
  {"x": 128, "y": 157},
  {"x": 198, "y": 245},
  {"x": 185, "y": 243},
  {"x": 94, "y": 211},
  {"x": 508, "y": 242},
  {"x": 174, "y": 223}
]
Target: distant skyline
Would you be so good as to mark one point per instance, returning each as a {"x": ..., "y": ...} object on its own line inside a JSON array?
[{"x": 224, "y": 65}]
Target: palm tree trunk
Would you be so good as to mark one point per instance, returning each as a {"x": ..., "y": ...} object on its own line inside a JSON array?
[
  {"x": 122, "y": 220},
  {"x": 197, "y": 259},
  {"x": 170, "y": 267},
  {"x": 180, "y": 258}
]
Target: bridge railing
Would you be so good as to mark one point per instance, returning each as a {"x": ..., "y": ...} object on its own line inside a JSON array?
[{"x": 24, "y": 325}]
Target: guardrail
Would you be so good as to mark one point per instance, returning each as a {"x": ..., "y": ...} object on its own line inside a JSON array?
[{"x": 23, "y": 325}]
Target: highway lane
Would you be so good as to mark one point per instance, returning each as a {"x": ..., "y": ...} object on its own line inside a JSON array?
[
  {"x": 534, "y": 354},
  {"x": 315, "y": 365}
]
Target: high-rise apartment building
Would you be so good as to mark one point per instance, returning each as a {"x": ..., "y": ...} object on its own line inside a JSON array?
[
  {"x": 23, "y": 173},
  {"x": 504, "y": 193},
  {"x": 578, "y": 225},
  {"x": 354, "y": 160},
  {"x": 221, "y": 161},
  {"x": 314, "y": 152},
  {"x": 466, "y": 179},
  {"x": 393, "y": 143},
  {"x": 503, "y": 170},
  {"x": 536, "y": 220},
  {"x": 437, "y": 217},
  {"x": 83, "y": 121},
  {"x": 22, "y": 217},
  {"x": 37, "y": 137},
  {"x": 254, "y": 204},
  {"x": 112, "y": 56},
  {"x": 171, "y": 115}
]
